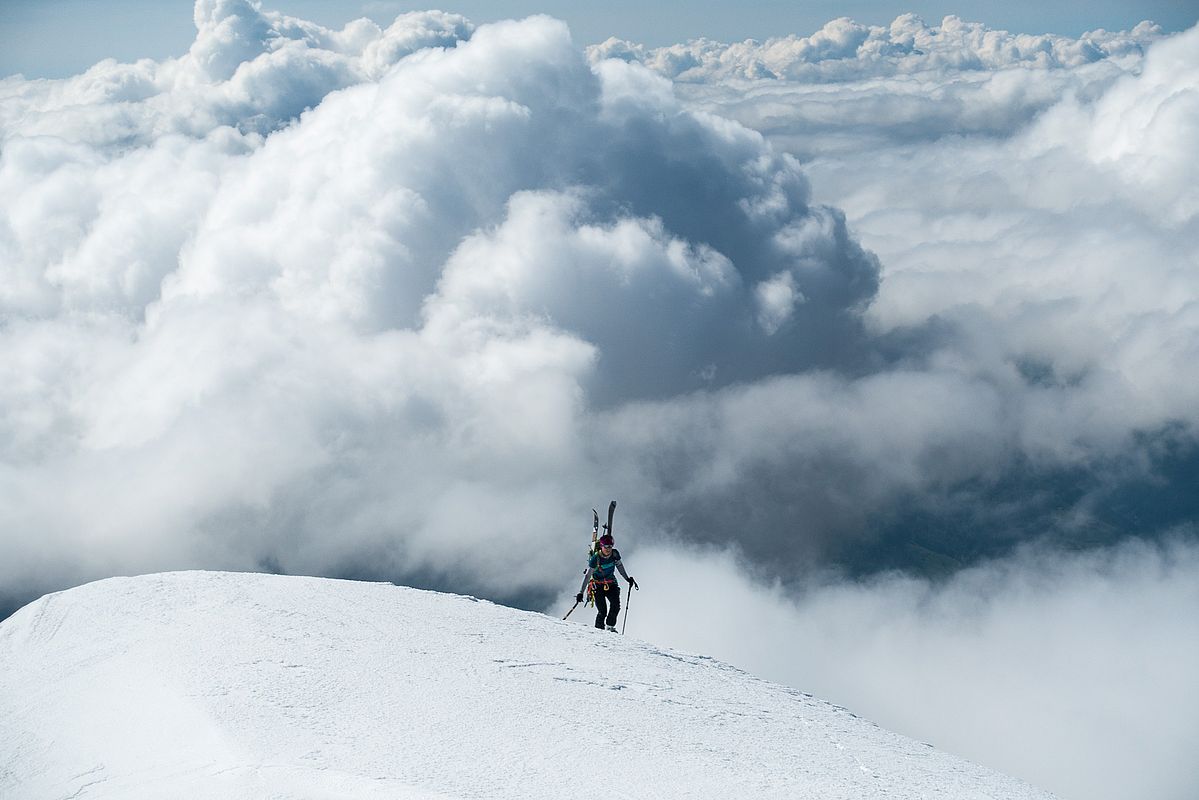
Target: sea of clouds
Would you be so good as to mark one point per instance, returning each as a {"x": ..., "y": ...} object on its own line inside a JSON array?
[{"x": 405, "y": 303}]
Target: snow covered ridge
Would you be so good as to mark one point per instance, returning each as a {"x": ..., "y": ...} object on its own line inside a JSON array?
[
  {"x": 846, "y": 50},
  {"x": 222, "y": 685}
]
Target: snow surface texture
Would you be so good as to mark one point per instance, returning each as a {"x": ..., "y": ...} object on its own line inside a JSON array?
[{"x": 223, "y": 685}]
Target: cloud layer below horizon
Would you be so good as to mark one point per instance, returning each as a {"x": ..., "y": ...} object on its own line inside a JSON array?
[{"x": 406, "y": 302}]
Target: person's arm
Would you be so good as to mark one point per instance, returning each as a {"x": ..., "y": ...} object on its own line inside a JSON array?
[{"x": 620, "y": 568}]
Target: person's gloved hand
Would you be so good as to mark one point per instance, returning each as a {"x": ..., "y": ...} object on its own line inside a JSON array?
[{"x": 579, "y": 597}]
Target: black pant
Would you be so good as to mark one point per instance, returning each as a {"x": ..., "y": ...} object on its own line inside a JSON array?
[{"x": 607, "y": 604}]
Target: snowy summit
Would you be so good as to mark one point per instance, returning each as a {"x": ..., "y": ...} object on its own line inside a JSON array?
[{"x": 219, "y": 685}]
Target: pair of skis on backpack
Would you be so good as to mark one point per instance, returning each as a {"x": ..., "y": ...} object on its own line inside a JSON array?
[{"x": 596, "y": 540}]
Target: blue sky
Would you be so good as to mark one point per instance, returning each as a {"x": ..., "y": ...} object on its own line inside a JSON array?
[{"x": 55, "y": 38}]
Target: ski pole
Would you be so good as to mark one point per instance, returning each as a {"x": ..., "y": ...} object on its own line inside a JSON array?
[
  {"x": 629, "y": 602},
  {"x": 572, "y": 608}
]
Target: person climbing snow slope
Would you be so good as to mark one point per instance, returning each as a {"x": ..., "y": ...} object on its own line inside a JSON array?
[{"x": 601, "y": 576}]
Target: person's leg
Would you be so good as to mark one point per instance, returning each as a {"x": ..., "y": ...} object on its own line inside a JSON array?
[
  {"x": 601, "y": 608},
  {"x": 613, "y": 605}
]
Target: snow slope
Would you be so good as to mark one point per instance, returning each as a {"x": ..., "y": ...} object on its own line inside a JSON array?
[{"x": 221, "y": 685}]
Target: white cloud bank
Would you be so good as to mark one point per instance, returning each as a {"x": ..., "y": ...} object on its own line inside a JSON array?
[
  {"x": 846, "y": 50},
  {"x": 407, "y": 302}
]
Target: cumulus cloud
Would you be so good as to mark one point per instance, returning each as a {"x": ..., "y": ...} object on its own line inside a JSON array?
[
  {"x": 847, "y": 50},
  {"x": 368, "y": 337},
  {"x": 249, "y": 69}
]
